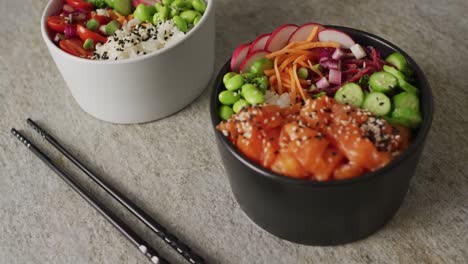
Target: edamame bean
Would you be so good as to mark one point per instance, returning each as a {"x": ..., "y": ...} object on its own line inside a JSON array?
[
  {"x": 158, "y": 7},
  {"x": 199, "y": 5},
  {"x": 225, "y": 112},
  {"x": 167, "y": 2},
  {"x": 228, "y": 97},
  {"x": 313, "y": 87},
  {"x": 247, "y": 88},
  {"x": 303, "y": 73},
  {"x": 197, "y": 20},
  {"x": 144, "y": 12},
  {"x": 248, "y": 76},
  {"x": 254, "y": 97},
  {"x": 181, "y": 4},
  {"x": 164, "y": 13},
  {"x": 262, "y": 83},
  {"x": 235, "y": 82},
  {"x": 123, "y": 7},
  {"x": 237, "y": 107},
  {"x": 260, "y": 66},
  {"x": 180, "y": 23},
  {"x": 174, "y": 11},
  {"x": 189, "y": 15},
  {"x": 228, "y": 76}
]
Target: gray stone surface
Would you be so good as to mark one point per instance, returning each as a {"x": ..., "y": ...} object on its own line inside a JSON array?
[{"x": 172, "y": 168}]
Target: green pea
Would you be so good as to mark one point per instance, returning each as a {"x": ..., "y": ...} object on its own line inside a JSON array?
[
  {"x": 228, "y": 76},
  {"x": 260, "y": 66},
  {"x": 157, "y": 19},
  {"x": 167, "y": 2},
  {"x": 313, "y": 87},
  {"x": 180, "y": 23},
  {"x": 189, "y": 15},
  {"x": 197, "y": 20},
  {"x": 254, "y": 97},
  {"x": 199, "y": 5},
  {"x": 237, "y": 107},
  {"x": 262, "y": 83},
  {"x": 225, "y": 112},
  {"x": 247, "y": 88},
  {"x": 303, "y": 73},
  {"x": 235, "y": 82},
  {"x": 228, "y": 97},
  {"x": 144, "y": 12}
]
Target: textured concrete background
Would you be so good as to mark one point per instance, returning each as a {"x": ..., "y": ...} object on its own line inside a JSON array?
[{"x": 172, "y": 168}]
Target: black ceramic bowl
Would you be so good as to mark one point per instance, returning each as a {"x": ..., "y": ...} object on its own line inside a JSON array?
[{"x": 324, "y": 213}]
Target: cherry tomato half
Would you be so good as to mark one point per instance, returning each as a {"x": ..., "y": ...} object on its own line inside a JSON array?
[
  {"x": 75, "y": 48},
  {"x": 56, "y": 23},
  {"x": 85, "y": 34},
  {"x": 80, "y": 4}
]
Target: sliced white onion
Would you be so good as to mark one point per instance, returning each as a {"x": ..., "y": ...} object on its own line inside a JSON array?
[
  {"x": 322, "y": 83},
  {"x": 334, "y": 77},
  {"x": 358, "y": 51},
  {"x": 338, "y": 54}
]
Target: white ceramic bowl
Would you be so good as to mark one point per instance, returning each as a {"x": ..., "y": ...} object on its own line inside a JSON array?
[{"x": 141, "y": 89}]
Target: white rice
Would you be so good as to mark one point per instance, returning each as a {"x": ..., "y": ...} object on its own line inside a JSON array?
[
  {"x": 135, "y": 39},
  {"x": 273, "y": 98}
]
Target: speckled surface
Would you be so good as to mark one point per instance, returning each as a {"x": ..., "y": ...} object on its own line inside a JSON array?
[{"x": 172, "y": 168}]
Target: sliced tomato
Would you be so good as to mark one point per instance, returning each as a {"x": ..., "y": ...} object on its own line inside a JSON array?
[
  {"x": 57, "y": 23},
  {"x": 75, "y": 48},
  {"x": 103, "y": 20},
  {"x": 85, "y": 34},
  {"x": 80, "y": 4}
]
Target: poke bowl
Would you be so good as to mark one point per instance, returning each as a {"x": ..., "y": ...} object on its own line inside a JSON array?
[
  {"x": 130, "y": 61},
  {"x": 306, "y": 178}
]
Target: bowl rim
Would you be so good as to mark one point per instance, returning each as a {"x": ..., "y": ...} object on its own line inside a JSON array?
[
  {"x": 416, "y": 142},
  {"x": 50, "y": 43}
]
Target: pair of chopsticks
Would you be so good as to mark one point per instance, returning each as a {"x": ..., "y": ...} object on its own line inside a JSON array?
[{"x": 136, "y": 240}]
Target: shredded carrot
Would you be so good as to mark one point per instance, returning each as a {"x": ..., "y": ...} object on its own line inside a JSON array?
[
  {"x": 269, "y": 72},
  {"x": 314, "y": 69},
  {"x": 113, "y": 15},
  {"x": 313, "y": 34},
  {"x": 293, "y": 87},
  {"x": 286, "y": 51},
  {"x": 278, "y": 76},
  {"x": 130, "y": 17},
  {"x": 313, "y": 45},
  {"x": 303, "y": 64},
  {"x": 298, "y": 83},
  {"x": 288, "y": 61}
]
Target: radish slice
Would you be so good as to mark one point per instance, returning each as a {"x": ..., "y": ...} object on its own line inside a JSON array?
[
  {"x": 304, "y": 31},
  {"x": 259, "y": 43},
  {"x": 336, "y": 36},
  {"x": 279, "y": 38},
  {"x": 239, "y": 56},
  {"x": 252, "y": 58}
]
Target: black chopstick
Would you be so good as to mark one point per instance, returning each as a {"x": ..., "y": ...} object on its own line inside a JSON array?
[
  {"x": 136, "y": 240},
  {"x": 157, "y": 228}
]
